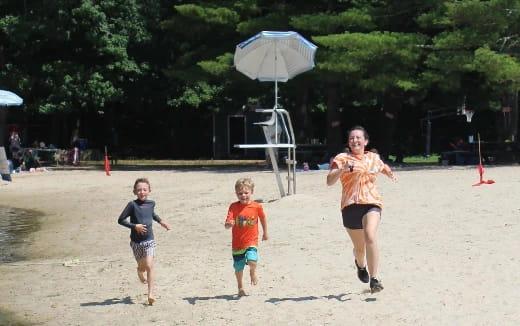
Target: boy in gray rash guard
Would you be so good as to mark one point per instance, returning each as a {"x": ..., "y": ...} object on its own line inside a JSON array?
[{"x": 142, "y": 215}]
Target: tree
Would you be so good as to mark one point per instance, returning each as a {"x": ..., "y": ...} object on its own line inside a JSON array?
[
  {"x": 381, "y": 63},
  {"x": 147, "y": 64},
  {"x": 472, "y": 52},
  {"x": 67, "y": 57}
]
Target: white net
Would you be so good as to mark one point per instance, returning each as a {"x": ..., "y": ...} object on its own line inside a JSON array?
[{"x": 469, "y": 115}]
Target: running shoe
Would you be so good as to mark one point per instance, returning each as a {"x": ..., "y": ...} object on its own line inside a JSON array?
[
  {"x": 362, "y": 273},
  {"x": 375, "y": 285}
]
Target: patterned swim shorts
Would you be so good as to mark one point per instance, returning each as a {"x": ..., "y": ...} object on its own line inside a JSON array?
[{"x": 143, "y": 249}]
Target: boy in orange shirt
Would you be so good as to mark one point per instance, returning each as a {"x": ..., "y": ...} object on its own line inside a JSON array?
[{"x": 243, "y": 217}]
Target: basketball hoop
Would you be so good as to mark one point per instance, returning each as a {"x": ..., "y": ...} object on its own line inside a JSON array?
[{"x": 469, "y": 114}]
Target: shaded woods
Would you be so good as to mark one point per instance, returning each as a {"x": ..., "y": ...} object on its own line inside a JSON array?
[{"x": 156, "y": 76}]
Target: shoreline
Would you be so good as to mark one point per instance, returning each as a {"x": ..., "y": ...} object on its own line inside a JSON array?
[
  {"x": 18, "y": 224},
  {"x": 10, "y": 318},
  {"x": 434, "y": 223}
]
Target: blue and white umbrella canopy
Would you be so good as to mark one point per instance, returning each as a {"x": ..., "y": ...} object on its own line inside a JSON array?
[
  {"x": 274, "y": 56},
  {"x": 8, "y": 98}
]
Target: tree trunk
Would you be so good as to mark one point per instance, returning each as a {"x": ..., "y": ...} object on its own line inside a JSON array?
[
  {"x": 5, "y": 173},
  {"x": 335, "y": 143},
  {"x": 514, "y": 119},
  {"x": 392, "y": 105},
  {"x": 301, "y": 121},
  {"x": 3, "y": 114},
  {"x": 508, "y": 130}
]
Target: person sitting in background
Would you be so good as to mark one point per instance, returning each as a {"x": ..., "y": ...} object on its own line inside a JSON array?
[
  {"x": 457, "y": 144},
  {"x": 460, "y": 147},
  {"x": 30, "y": 162},
  {"x": 17, "y": 160}
]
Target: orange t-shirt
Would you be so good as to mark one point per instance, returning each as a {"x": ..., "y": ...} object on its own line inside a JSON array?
[
  {"x": 358, "y": 179},
  {"x": 245, "y": 229}
]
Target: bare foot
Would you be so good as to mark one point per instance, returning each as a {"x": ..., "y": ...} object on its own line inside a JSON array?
[
  {"x": 254, "y": 279},
  {"x": 142, "y": 278},
  {"x": 241, "y": 292},
  {"x": 151, "y": 300}
]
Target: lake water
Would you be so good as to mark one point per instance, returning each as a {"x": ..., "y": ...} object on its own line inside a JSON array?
[{"x": 16, "y": 225}]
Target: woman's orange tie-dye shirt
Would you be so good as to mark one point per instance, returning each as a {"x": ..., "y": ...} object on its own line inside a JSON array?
[{"x": 358, "y": 178}]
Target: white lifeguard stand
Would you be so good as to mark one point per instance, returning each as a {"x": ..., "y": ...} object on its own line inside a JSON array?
[{"x": 280, "y": 119}]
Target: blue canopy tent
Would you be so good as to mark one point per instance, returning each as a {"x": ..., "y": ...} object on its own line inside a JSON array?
[{"x": 7, "y": 99}]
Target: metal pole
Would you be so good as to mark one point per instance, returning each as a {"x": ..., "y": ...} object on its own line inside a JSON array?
[
  {"x": 274, "y": 163},
  {"x": 428, "y": 137},
  {"x": 514, "y": 119},
  {"x": 4, "y": 166},
  {"x": 275, "y": 91}
]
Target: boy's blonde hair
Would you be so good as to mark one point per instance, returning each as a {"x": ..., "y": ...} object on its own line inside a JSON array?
[
  {"x": 244, "y": 182},
  {"x": 142, "y": 180}
]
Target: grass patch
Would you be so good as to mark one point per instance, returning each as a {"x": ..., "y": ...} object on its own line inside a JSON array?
[
  {"x": 419, "y": 159},
  {"x": 142, "y": 162}
]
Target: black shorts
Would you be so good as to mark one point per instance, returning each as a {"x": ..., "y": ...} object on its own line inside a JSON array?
[{"x": 353, "y": 214}]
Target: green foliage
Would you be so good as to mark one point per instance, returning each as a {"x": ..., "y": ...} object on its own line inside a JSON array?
[
  {"x": 218, "y": 67},
  {"x": 433, "y": 20},
  {"x": 197, "y": 95},
  {"x": 444, "y": 80},
  {"x": 499, "y": 68},
  {"x": 213, "y": 16},
  {"x": 8, "y": 24},
  {"x": 326, "y": 23},
  {"x": 476, "y": 13},
  {"x": 470, "y": 34},
  {"x": 467, "y": 38},
  {"x": 378, "y": 60},
  {"x": 246, "y": 7},
  {"x": 74, "y": 56},
  {"x": 271, "y": 21},
  {"x": 75, "y": 89},
  {"x": 81, "y": 56},
  {"x": 431, "y": 159}
]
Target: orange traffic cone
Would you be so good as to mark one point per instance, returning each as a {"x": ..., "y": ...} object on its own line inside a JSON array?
[{"x": 107, "y": 163}]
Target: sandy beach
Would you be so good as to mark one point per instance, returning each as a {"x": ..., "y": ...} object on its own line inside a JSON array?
[{"x": 449, "y": 251}]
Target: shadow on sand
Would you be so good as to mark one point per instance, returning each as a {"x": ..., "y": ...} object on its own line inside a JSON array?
[
  {"x": 193, "y": 300},
  {"x": 339, "y": 297},
  {"x": 108, "y": 302}
]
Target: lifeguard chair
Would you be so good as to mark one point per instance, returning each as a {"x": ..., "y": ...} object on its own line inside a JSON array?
[
  {"x": 276, "y": 56},
  {"x": 280, "y": 121}
]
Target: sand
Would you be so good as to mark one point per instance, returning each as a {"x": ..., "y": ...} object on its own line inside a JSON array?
[{"x": 449, "y": 251}]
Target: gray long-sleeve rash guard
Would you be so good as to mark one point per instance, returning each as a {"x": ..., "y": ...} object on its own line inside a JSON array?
[{"x": 140, "y": 212}]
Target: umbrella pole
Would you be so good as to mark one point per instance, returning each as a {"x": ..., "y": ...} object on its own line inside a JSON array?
[
  {"x": 275, "y": 98},
  {"x": 275, "y": 113},
  {"x": 275, "y": 75},
  {"x": 275, "y": 94}
]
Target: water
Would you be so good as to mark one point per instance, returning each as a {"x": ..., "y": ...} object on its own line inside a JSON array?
[
  {"x": 16, "y": 225},
  {"x": 9, "y": 319}
]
